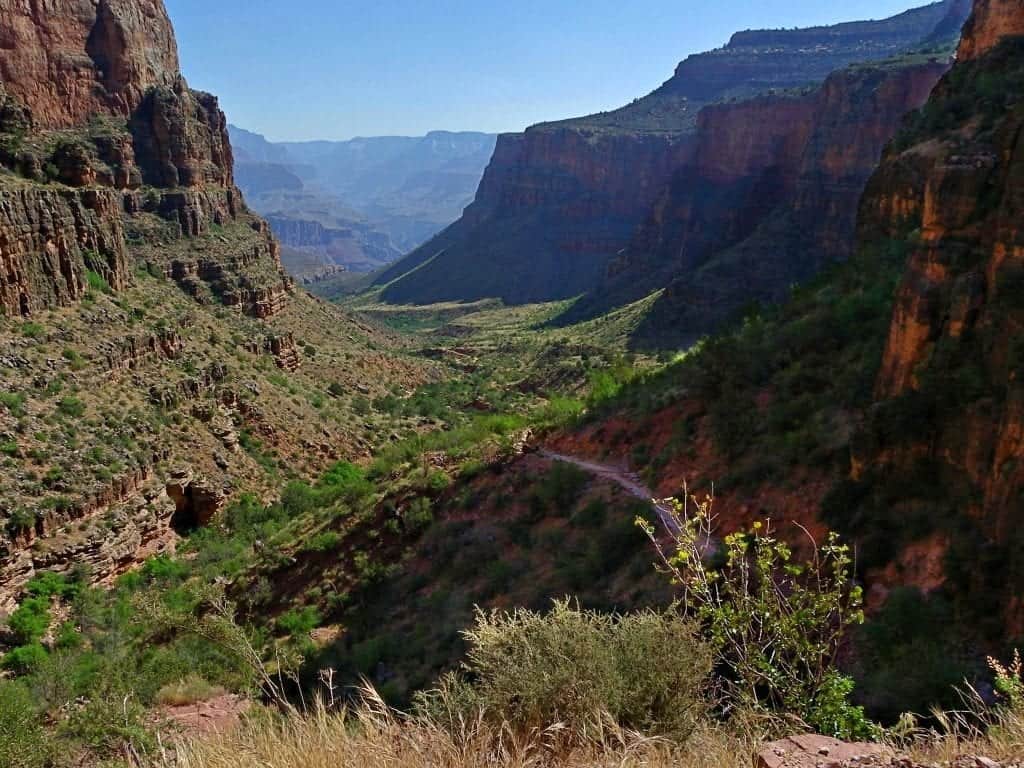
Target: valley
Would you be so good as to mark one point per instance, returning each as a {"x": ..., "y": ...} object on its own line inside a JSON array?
[
  {"x": 700, "y": 428},
  {"x": 357, "y": 206}
]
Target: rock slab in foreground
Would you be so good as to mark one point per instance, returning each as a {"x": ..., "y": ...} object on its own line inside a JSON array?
[{"x": 810, "y": 751}]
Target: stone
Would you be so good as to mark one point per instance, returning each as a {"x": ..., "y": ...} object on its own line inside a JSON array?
[{"x": 806, "y": 751}]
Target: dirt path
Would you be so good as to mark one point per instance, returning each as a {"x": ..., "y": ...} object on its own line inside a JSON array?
[{"x": 628, "y": 481}]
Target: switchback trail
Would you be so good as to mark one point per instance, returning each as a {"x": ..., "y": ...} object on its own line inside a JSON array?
[{"x": 628, "y": 481}]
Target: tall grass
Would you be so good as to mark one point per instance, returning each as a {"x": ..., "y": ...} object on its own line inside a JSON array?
[{"x": 373, "y": 736}]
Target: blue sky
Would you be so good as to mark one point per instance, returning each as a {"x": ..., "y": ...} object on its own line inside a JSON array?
[{"x": 334, "y": 69}]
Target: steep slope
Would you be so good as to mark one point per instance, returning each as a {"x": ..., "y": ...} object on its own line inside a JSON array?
[
  {"x": 882, "y": 400},
  {"x": 155, "y": 360},
  {"x": 949, "y": 410},
  {"x": 558, "y": 202}
]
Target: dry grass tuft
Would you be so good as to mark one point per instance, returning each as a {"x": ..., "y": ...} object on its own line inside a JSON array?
[
  {"x": 977, "y": 730},
  {"x": 374, "y": 736}
]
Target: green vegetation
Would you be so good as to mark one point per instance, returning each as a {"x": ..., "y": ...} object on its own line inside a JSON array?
[
  {"x": 96, "y": 282},
  {"x": 648, "y": 671},
  {"x": 775, "y": 623}
]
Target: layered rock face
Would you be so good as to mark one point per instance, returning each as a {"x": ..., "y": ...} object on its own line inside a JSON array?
[
  {"x": 69, "y": 60},
  {"x": 948, "y": 424},
  {"x": 552, "y": 206},
  {"x": 112, "y": 171},
  {"x": 993, "y": 21},
  {"x": 770, "y": 200},
  {"x": 99, "y": 133},
  {"x": 558, "y": 202}
]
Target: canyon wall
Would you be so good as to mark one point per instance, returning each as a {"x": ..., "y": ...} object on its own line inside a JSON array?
[
  {"x": 112, "y": 172},
  {"x": 561, "y": 200},
  {"x": 951, "y": 193},
  {"x": 719, "y": 241},
  {"x": 98, "y": 131},
  {"x": 551, "y": 208},
  {"x": 70, "y": 60},
  {"x": 935, "y": 491}
]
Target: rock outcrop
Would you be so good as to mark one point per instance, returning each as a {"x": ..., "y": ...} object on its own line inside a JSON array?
[
  {"x": 813, "y": 751},
  {"x": 70, "y": 60},
  {"x": 558, "y": 202},
  {"x": 93, "y": 108},
  {"x": 113, "y": 172},
  {"x": 992, "y": 22}
]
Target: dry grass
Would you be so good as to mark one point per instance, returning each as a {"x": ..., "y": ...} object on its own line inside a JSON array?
[
  {"x": 374, "y": 736},
  {"x": 191, "y": 690},
  {"x": 978, "y": 730}
]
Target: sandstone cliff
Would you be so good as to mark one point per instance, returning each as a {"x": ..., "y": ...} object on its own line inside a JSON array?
[
  {"x": 558, "y": 202},
  {"x": 883, "y": 400},
  {"x": 70, "y": 60}
]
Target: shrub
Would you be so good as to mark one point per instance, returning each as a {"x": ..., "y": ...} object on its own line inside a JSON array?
[
  {"x": 648, "y": 671},
  {"x": 25, "y": 659},
  {"x": 775, "y": 624},
  {"x": 30, "y": 622},
  {"x": 324, "y": 542},
  {"x": 23, "y": 744},
  {"x": 911, "y": 656},
  {"x": 419, "y": 516},
  {"x": 190, "y": 690},
  {"x": 32, "y": 330},
  {"x": 96, "y": 282},
  {"x": 71, "y": 407},
  {"x": 51, "y": 585},
  {"x": 1009, "y": 681},
  {"x": 14, "y": 402},
  {"x": 299, "y": 622}
]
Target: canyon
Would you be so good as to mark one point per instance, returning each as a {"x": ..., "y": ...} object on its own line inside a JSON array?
[
  {"x": 358, "y": 205},
  {"x": 560, "y": 202},
  {"x": 801, "y": 278}
]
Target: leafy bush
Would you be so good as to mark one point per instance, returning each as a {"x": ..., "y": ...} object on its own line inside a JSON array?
[
  {"x": 910, "y": 656},
  {"x": 648, "y": 671},
  {"x": 71, "y": 407},
  {"x": 32, "y": 330},
  {"x": 299, "y": 622},
  {"x": 30, "y": 621},
  {"x": 1009, "y": 681},
  {"x": 96, "y": 282},
  {"x": 324, "y": 542},
  {"x": 51, "y": 585},
  {"x": 775, "y": 624},
  {"x": 14, "y": 402},
  {"x": 25, "y": 658}
]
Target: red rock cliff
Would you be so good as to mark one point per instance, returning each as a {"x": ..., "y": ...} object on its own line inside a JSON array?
[
  {"x": 93, "y": 107},
  {"x": 769, "y": 198},
  {"x": 559, "y": 201},
  {"x": 67, "y": 60},
  {"x": 992, "y": 21},
  {"x": 947, "y": 428}
]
